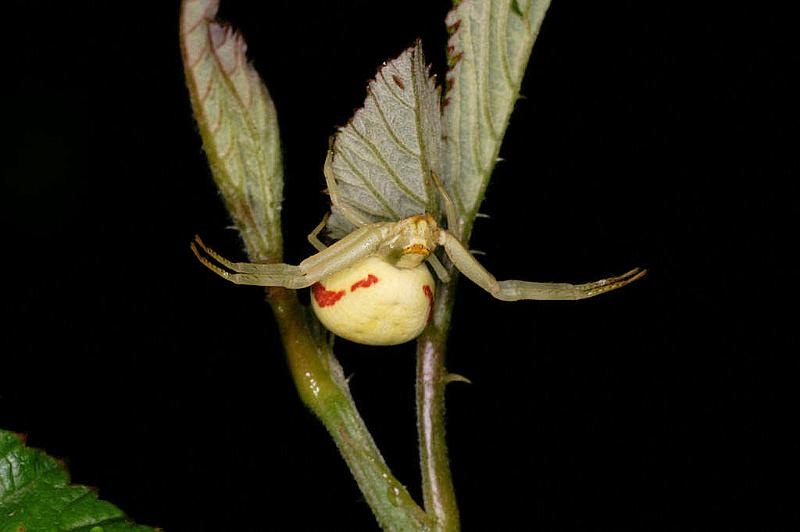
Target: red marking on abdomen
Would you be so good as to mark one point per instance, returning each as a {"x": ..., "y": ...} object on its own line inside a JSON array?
[
  {"x": 367, "y": 281},
  {"x": 429, "y": 295},
  {"x": 325, "y": 297}
]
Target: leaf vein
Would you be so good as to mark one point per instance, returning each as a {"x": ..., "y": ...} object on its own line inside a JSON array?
[
  {"x": 484, "y": 79},
  {"x": 503, "y": 52},
  {"x": 389, "y": 170},
  {"x": 391, "y": 131},
  {"x": 368, "y": 186},
  {"x": 424, "y": 164}
]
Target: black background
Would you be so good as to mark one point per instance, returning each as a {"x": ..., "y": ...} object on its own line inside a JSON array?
[{"x": 652, "y": 134}]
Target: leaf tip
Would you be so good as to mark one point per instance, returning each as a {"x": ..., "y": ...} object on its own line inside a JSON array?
[{"x": 193, "y": 12}]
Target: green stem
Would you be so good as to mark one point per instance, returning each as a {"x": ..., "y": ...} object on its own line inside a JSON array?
[
  {"x": 323, "y": 388},
  {"x": 432, "y": 377}
]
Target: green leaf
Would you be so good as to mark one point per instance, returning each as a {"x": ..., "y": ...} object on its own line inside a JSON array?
[
  {"x": 383, "y": 158},
  {"x": 488, "y": 51},
  {"x": 238, "y": 125},
  {"x": 35, "y": 495}
]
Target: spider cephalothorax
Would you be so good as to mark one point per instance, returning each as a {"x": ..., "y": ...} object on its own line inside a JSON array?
[{"x": 413, "y": 240}]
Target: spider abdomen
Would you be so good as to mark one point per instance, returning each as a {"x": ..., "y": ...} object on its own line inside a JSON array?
[{"x": 375, "y": 303}]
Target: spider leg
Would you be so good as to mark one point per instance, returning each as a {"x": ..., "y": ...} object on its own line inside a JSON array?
[
  {"x": 238, "y": 267},
  {"x": 449, "y": 206},
  {"x": 438, "y": 268},
  {"x": 352, "y": 215},
  {"x": 516, "y": 290},
  {"x": 356, "y": 246},
  {"x": 284, "y": 275},
  {"x": 312, "y": 237}
]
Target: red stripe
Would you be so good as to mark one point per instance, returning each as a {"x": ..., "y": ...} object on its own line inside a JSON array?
[
  {"x": 324, "y": 297},
  {"x": 429, "y": 295},
  {"x": 367, "y": 281}
]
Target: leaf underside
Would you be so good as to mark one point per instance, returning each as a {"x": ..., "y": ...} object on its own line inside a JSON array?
[
  {"x": 383, "y": 158},
  {"x": 35, "y": 495},
  {"x": 488, "y": 50},
  {"x": 238, "y": 124}
]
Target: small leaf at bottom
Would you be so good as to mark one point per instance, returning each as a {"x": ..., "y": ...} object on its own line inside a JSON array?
[{"x": 35, "y": 495}]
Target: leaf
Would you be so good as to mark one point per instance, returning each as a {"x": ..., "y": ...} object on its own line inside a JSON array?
[
  {"x": 35, "y": 495},
  {"x": 238, "y": 125},
  {"x": 488, "y": 51},
  {"x": 383, "y": 158}
]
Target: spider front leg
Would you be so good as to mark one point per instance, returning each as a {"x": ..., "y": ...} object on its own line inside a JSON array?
[
  {"x": 248, "y": 273},
  {"x": 517, "y": 290},
  {"x": 355, "y": 247}
]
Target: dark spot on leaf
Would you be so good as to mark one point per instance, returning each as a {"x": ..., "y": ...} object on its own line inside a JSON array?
[
  {"x": 399, "y": 82},
  {"x": 452, "y": 28},
  {"x": 453, "y": 60}
]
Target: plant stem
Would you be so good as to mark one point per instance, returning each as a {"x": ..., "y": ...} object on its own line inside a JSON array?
[
  {"x": 323, "y": 388},
  {"x": 437, "y": 483}
]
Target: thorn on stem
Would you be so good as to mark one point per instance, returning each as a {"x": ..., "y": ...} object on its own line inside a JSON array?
[{"x": 455, "y": 377}]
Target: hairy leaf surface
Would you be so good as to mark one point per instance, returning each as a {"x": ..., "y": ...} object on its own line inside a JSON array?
[
  {"x": 238, "y": 124},
  {"x": 488, "y": 51},
  {"x": 383, "y": 158},
  {"x": 35, "y": 494}
]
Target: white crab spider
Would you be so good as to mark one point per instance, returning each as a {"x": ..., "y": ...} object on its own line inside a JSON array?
[{"x": 372, "y": 286}]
